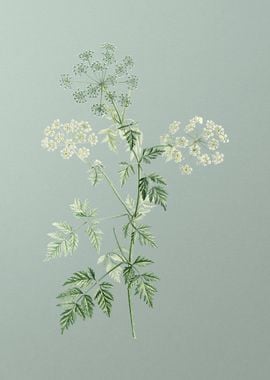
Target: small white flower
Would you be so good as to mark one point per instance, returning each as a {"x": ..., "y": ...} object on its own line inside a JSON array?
[
  {"x": 186, "y": 169},
  {"x": 49, "y": 132},
  {"x": 219, "y": 129},
  {"x": 66, "y": 153},
  {"x": 85, "y": 126},
  {"x": 217, "y": 158},
  {"x": 197, "y": 120},
  {"x": 169, "y": 152},
  {"x": 80, "y": 137},
  {"x": 204, "y": 159},
  {"x": 194, "y": 150},
  {"x": 44, "y": 143},
  {"x": 97, "y": 163},
  {"x": 213, "y": 144},
  {"x": 192, "y": 123},
  {"x": 207, "y": 133},
  {"x": 177, "y": 156},
  {"x": 67, "y": 127},
  {"x": 56, "y": 124},
  {"x": 223, "y": 137},
  {"x": 181, "y": 142},
  {"x": 69, "y": 143},
  {"x": 211, "y": 125},
  {"x": 59, "y": 137},
  {"x": 165, "y": 139},
  {"x": 83, "y": 153},
  {"x": 174, "y": 127},
  {"x": 51, "y": 145},
  {"x": 190, "y": 127},
  {"x": 93, "y": 139}
]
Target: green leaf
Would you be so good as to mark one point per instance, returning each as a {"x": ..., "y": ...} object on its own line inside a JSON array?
[
  {"x": 65, "y": 241},
  {"x": 67, "y": 319},
  {"x": 146, "y": 292},
  {"x": 126, "y": 229},
  {"x": 95, "y": 175},
  {"x": 110, "y": 138},
  {"x": 104, "y": 297},
  {"x": 131, "y": 136},
  {"x": 82, "y": 279},
  {"x": 125, "y": 172},
  {"x": 149, "y": 276},
  {"x": 144, "y": 235},
  {"x": 156, "y": 178},
  {"x": 95, "y": 236},
  {"x": 129, "y": 275},
  {"x": 82, "y": 209},
  {"x": 110, "y": 260},
  {"x": 143, "y": 187},
  {"x": 143, "y": 209},
  {"x": 79, "y": 310},
  {"x": 151, "y": 153},
  {"x": 70, "y": 294},
  {"x": 158, "y": 195},
  {"x": 144, "y": 288},
  {"x": 142, "y": 261},
  {"x": 64, "y": 227},
  {"x": 87, "y": 305}
]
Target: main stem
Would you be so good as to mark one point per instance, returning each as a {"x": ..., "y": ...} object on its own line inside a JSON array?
[
  {"x": 120, "y": 121},
  {"x": 131, "y": 247}
]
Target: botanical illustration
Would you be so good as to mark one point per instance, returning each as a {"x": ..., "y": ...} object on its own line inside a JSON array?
[{"x": 107, "y": 84}]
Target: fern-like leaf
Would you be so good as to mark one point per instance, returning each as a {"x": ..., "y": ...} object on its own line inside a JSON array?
[
  {"x": 158, "y": 195},
  {"x": 82, "y": 209},
  {"x": 95, "y": 236},
  {"x": 151, "y": 153},
  {"x": 142, "y": 261},
  {"x": 143, "y": 187},
  {"x": 95, "y": 175},
  {"x": 104, "y": 297},
  {"x": 69, "y": 295},
  {"x": 129, "y": 275},
  {"x": 144, "y": 235},
  {"x": 87, "y": 305},
  {"x": 82, "y": 279},
  {"x": 67, "y": 319},
  {"x": 65, "y": 241},
  {"x": 110, "y": 137},
  {"x": 131, "y": 136},
  {"x": 144, "y": 288},
  {"x": 125, "y": 172},
  {"x": 111, "y": 260},
  {"x": 156, "y": 178}
]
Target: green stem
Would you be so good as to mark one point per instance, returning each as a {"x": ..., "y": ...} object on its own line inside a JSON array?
[
  {"x": 131, "y": 314},
  {"x": 131, "y": 248},
  {"x": 114, "y": 190},
  {"x": 130, "y": 306},
  {"x": 111, "y": 217},
  {"x": 106, "y": 274}
]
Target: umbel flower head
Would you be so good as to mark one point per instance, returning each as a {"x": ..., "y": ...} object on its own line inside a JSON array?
[
  {"x": 72, "y": 139},
  {"x": 194, "y": 142},
  {"x": 103, "y": 82}
]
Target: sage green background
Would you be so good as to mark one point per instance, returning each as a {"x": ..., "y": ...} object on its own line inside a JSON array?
[{"x": 211, "y": 316}]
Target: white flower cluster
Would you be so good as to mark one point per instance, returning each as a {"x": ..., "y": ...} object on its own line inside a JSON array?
[
  {"x": 197, "y": 141},
  {"x": 73, "y": 138}
]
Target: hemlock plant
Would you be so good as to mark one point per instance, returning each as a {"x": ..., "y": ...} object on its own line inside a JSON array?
[{"x": 108, "y": 86}]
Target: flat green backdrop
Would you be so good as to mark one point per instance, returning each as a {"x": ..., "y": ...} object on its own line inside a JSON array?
[{"x": 211, "y": 316}]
